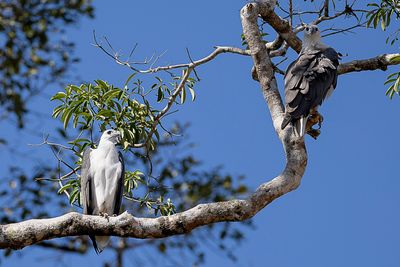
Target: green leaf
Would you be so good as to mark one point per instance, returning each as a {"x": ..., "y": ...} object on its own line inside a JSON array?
[
  {"x": 376, "y": 19},
  {"x": 67, "y": 116},
  {"x": 75, "y": 121},
  {"x": 388, "y": 17},
  {"x": 383, "y": 23},
  {"x": 183, "y": 95},
  {"x": 103, "y": 85},
  {"x": 193, "y": 94},
  {"x": 130, "y": 78},
  {"x": 160, "y": 95},
  {"x": 57, "y": 111},
  {"x": 157, "y": 135},
  {"x": 58, "y": 96},
  {"x": 105, "y": 113},
  {"x": 74, "y": 195},
  {"x": 390, "y": 81},
  {"x": 63, "y": 188},
  {"x": 111, "y": 94},
  {"x": 77, "y": 89},
  {"x": 395, "y": 59}
]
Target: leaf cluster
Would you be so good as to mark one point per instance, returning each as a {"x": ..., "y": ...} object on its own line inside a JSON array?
[{"x": 382, "y": 14}]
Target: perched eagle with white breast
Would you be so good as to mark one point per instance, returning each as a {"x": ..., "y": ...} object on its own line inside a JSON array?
[
  {"x": 102, "y": 180},
  {"x": 309, "y": 80}
]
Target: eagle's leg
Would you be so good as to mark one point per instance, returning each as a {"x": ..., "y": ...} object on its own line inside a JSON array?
[{"x": 314, "y": 118}]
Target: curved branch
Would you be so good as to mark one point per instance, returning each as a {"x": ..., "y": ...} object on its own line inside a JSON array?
[
  {"x": 19, "y": 235},
  {"x": 281, "y": 26},
  {"x": 218, "y": 50}
]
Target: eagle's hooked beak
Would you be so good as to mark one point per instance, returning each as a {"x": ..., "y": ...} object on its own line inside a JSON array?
[{"x": 118, "y": 136}]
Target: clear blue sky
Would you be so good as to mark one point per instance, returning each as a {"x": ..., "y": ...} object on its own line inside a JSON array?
[{"x": 346, "y": 211}]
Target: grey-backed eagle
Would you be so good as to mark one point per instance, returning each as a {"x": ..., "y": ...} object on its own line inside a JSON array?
[
  {"x": 309, "y": 80},
  {"x": 102, "y": 178}
]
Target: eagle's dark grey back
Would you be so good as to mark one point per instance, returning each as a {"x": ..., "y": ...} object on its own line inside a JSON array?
[{"x": 308, "y": 81}]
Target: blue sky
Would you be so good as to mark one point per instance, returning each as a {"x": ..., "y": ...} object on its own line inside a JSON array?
[{"x": 345, "y": 213}]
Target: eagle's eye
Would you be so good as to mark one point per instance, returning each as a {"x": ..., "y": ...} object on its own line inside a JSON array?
[
  {"x": 307, "y": 28},
  {"x": 109, "y": 132},
  {"x": 316, "y": 29}
]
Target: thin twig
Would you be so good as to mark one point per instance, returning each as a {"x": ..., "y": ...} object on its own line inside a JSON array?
[
  {"x": 191, "y": 60},
  {"x": 326, "y": 8},
  {"x": 164, "y": 111},
  {"x": 325, "y": 18},
  {"x": 336, "y": 31}
]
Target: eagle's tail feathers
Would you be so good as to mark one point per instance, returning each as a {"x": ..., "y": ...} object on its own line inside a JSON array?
[
  {"x": 96, "y": 248},
  {"x": 301, "y": 126},
  {"x": 101, "y": 243},
  {"x": 286, "y": 121}
]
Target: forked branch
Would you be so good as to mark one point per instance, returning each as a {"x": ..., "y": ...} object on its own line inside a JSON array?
[{"x": 22, "y": 234}]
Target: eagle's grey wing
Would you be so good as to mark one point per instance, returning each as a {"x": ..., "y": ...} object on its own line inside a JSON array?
[
  {"x": 308, "y": 81},
  {"x": 120, "y": 186},
  {"x": 87, "y": 199},
  {"x": 86, "y": 183}
]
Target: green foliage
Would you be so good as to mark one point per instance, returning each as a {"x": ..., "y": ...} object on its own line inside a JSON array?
[
  {"x": 382, "y": 14},
  {"x": 32, "y": 54},
  {"x": 110, "y": 106},
  {"x": 394, "y": 81},
  {"x": 180, "y": 176},
  {"x": 135, "y": 112},
  {"x": 127, "y": 109}
]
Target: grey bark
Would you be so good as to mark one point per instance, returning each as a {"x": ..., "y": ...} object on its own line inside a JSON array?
[{"x": 22, "y": 234}]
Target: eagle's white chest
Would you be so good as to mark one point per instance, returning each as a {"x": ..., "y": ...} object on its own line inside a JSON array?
[{"x": 105, "y": 168}]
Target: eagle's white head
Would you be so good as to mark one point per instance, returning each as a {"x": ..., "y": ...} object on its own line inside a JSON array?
[
  {"x": 110, "y": 135},
  {"x": 312, "y": 38}
]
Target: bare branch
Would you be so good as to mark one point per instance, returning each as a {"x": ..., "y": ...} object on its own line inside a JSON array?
[
  {"x": 325, "y": 17},
  {"x": 218, "y": 50},
  {"x": 65, "y": 176},
  {"x": 281, "y": 26},
  {"x": 22, "y": 234},
  {"x": 326, "y": 8},
  {"x": 275, "y": 44},
  {"x": 19, "y": 235},
  {"x": 345, "y": 30},
  {"x": 281, "y": 52},
  {"x": 380, "y": 62},
  {"x": 191, "y": 60}
]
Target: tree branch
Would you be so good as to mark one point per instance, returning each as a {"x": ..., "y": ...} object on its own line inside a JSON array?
[
  {"x": 19, "y": 235},
  {"x": 281, "y": 26},
  {"x": 380, "y": 62},
  {"x": 22, "y": 234},
  {"x": 325, "y": 17},
  {"x": 326, "y": 8}
]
